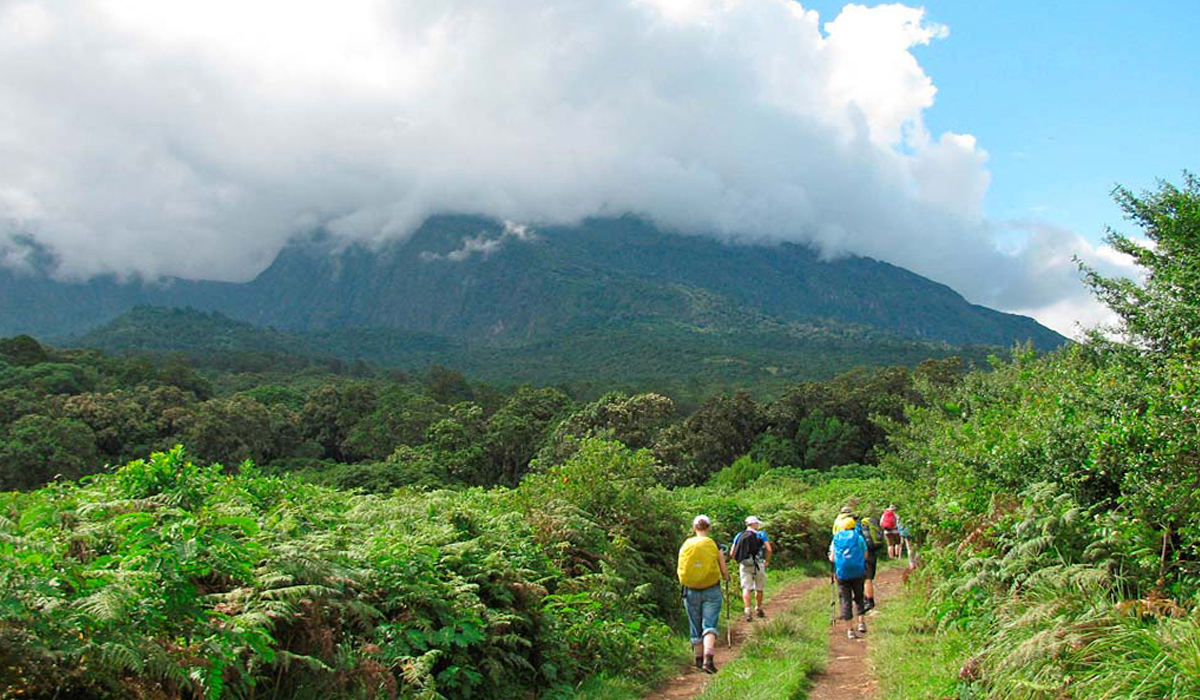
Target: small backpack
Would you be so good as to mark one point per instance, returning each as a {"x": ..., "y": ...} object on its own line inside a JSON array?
[
  {"x": 888, "y": 521},
  {"x": 872, "y": 532},
  {"x": 849, "y": 555},
  {"x": 746, "y": 547}
]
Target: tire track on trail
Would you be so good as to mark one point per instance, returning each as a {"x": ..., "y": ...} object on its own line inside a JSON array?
[
  {"x": 691, "y": 681},
  {"x": 848, "y": 674}
]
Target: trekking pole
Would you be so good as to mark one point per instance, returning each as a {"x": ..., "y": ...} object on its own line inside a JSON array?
[
  {"x": 832, "y": 596},
  {"x": 728, "y": 602}
]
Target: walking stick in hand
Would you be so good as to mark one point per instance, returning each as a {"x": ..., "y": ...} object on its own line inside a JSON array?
[
  {"x": 832, "y": 595},
  {"x": 728, "y": 602}
]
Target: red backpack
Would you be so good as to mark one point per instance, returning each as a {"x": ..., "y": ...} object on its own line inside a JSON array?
[{"x": 888, "y": 521}]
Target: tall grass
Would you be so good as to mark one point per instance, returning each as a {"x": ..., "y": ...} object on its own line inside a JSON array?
[
  {"x": 911, "y": 658},
  {"x": 778, "y": 662},
  {"x": 1066, "y": 639}
]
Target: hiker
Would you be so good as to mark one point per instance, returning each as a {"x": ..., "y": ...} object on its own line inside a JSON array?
[
  {"x": 701, "y": 569},
  {"x": 891, "y": 531},
  {"x": 752, "y": 550},
  {"x": 839, "y": 523},
  {"x": 910, "y": 547},
  {"x": 872, "y": 534},
  {"x": 848, "y": 552}
]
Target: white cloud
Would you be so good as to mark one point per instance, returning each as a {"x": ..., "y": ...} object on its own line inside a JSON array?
[
  {"x": 1042, "y": 278},
  {"x": 194, "y": 139},
  {"x": 482, "y": 244}
]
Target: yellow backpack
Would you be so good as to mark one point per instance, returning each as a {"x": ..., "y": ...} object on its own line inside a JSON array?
[
  {"x": 698, "y": 567},
  {"x": 839, "y": 523}
]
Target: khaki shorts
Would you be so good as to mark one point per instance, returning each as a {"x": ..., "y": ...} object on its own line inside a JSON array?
[{"x": 754, "y": 578}]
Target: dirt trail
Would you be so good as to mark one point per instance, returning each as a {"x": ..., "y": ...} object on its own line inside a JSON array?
[
  {"x": 848, "y": 674},
  {"x": 691, "y": 681}
]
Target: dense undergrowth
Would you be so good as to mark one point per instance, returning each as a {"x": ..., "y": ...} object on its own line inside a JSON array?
[
  {"x": 168, "y": 579},
  {"x": 1064, "y": 491}
]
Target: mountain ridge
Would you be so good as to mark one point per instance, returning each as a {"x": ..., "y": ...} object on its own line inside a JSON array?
[{"x": 487, "y": 281}]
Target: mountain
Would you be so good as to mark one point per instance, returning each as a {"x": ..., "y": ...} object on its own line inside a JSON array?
[
  {"x": 489, "y": 283},
  {"x": 681, "y": 360}
]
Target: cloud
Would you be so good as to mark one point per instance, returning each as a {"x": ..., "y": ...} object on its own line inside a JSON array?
[
  {"x": 1041, "y": 278},
  {"x": 155, "y": 137},
  {"x": 482, "y": 244}
]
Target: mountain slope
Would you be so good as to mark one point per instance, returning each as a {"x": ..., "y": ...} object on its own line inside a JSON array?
[
  {"x": 684, "y": 361},
  {"x": 481, "y": 280}
]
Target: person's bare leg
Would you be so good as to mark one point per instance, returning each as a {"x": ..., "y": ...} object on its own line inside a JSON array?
[
  {"x": 710, "y": 645},
  {"x": 746, "y": 598}
]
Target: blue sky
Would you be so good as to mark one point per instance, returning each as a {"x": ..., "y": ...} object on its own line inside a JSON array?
[{"x": 1067, "y": 98}]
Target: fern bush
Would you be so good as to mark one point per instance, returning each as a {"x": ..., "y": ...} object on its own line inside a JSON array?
[{"x": 168, "y": 579}]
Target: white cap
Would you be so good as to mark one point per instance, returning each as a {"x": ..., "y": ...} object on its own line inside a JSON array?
[
  {"x": 753, "y": 520},
  {"x": 701, "y": 519}
]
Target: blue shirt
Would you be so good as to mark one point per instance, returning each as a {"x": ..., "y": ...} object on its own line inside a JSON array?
[{"x": 762, "y": 554}]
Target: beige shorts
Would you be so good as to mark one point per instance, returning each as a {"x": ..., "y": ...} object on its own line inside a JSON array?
[{"x": 754, "y": 578}]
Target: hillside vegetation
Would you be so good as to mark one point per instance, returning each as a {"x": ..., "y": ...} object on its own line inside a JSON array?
[
  {"x": 687, "y": 362},
  {"x": 1065, "y": 490}
]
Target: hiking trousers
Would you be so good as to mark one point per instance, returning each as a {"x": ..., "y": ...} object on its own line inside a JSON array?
[
  {"x": 851, "y": 589},
  {"x": 703, "y": 610}
]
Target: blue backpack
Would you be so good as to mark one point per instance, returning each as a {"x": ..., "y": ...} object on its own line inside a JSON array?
[{"x": 849, "y": 555}]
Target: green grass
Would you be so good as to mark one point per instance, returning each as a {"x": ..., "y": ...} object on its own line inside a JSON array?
[
  {"x": 608, "y": 687},
  {"x": 912, "y": 659},
  {"x": 778, "y": 662}
]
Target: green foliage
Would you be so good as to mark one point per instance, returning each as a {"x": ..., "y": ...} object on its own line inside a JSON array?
[
  {"x": 823, "y": 441},
  {"x": 173, "y": 575},
  {"x": 515, "y": 432},
  {"x": 913, "y": 659},
  {"x": 37, "y": 449},
  {"x": 715, "y": 435},
  {"x": 1160, "y": 315},
  {"x": 737, "y": 475},
  {"x": 635, "y": 421},
  {"x": 782, "y": 656},
  {"x": 22, "y": 350},
  {"x": 1066, "y": 488}
]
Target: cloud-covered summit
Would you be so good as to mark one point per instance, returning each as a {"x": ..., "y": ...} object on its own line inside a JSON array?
[{"x": 154, "y": 137}]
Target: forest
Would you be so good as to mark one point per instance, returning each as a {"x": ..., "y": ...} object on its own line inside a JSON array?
[{"x": 176, "y": 530}]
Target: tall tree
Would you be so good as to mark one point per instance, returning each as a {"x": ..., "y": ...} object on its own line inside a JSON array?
[{"x": 1162, "y": 314}]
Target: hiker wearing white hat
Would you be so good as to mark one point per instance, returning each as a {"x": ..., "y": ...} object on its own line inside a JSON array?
[{"x": 752, "y": 549}]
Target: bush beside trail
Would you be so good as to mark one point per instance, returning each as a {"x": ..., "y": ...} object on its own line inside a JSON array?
[
  {"x": 167, "y": 579},
  {"x": 1064, "y": 489}
]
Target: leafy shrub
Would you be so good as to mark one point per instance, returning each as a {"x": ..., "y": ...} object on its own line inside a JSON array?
[{"x": 737, "y": 475}]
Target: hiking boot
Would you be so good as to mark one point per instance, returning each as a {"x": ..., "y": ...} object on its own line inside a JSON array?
[
  {"x": 862, "y": 628},
  {"x": 749, "y": 617},
  {"x": 700, "y": 662},
  {"x": 761, "y": 613},
  {"x": 850, "y": 634},
  {"x": 709, "y": 666}
]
